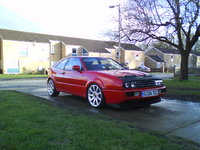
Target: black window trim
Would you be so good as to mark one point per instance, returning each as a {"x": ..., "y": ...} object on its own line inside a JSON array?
[
  {"x": 82, "y": 69},
  {"x": 61, "y": 62}
]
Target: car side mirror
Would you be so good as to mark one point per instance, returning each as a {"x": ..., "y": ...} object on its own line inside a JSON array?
[{"x": 76, "y": 68}]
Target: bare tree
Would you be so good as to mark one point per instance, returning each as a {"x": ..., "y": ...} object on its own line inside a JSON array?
[
  {"x": 162, "y": 45},
  {"x": 175, "y": 22}
]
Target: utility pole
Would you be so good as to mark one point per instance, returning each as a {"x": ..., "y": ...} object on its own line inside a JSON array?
[{"x": 119, "y": 29}]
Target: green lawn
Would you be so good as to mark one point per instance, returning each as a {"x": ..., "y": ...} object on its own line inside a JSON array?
[
  {"x": 184, "y": 88},
  {"x": 15, "y": 76},
  {"x": 31, "y": 123}
]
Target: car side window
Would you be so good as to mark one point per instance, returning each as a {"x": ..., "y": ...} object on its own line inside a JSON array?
[
  {"x": 61, "y": 65},
  {"x": 72, "y": 62}
]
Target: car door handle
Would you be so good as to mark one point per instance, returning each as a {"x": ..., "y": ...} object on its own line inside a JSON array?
[{"x": 63, "y": 73}]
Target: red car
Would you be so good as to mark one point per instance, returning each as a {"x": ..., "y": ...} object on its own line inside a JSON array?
[{"x": 103, "y": 81}]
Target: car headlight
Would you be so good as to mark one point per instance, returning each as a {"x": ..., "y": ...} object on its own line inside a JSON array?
[
  {"x": 133, "y": 85},
  {"x": 126, "y": 84},
  {"x": 129, "y": 85},
  {"x": 159, "y": 82}
]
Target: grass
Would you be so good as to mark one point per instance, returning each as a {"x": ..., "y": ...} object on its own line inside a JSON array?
[
  {"x": 28, "y": 122},
  {"x": 184, "y": 88},
  {"x": 18, "y": 76}
]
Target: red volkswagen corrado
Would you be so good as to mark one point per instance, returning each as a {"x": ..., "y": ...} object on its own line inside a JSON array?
[{"x": 103, "y": 81}]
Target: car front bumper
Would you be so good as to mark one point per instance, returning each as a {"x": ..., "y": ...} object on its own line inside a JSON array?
[{"x": 134, "y": 95}]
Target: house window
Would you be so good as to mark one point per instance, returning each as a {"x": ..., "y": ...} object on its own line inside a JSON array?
[
  {"x": 84, "y": 52},
  {"x": 172, "y": 58},
  {"x": 24, "y": 51},
  {"x": 117, "y": 54},
  {"x": 74, "y": 52},
  {"x": 158, "y": 65}
]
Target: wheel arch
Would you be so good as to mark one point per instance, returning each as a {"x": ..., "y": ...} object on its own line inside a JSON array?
[
  {"x": 50, "y": 78},
  {"x": 98, "y": 82}
]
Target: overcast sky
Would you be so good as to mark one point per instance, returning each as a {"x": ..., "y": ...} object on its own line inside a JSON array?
[{"x": 77, "y": 18}]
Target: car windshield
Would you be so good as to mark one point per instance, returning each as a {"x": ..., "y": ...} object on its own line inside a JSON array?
[{"x": 101, "y": 64}]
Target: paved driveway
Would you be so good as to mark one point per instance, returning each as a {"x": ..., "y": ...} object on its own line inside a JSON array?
[{"x": 172, "y": 117}]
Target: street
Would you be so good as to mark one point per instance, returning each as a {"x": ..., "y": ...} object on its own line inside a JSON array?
[{"x": 173, "y": 117}]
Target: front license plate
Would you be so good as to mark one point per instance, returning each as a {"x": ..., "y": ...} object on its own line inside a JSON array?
[{"x": 149, "y": 93}]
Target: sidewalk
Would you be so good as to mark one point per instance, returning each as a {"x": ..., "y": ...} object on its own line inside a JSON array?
[{"x": 33, "y": 78}]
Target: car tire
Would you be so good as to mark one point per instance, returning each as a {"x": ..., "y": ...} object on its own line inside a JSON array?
[
  {"x": 51, "y": 88},
  {"x": 95, "y": 96}
]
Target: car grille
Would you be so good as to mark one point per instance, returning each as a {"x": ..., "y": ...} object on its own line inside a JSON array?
[{"x": 145, "y": 83}]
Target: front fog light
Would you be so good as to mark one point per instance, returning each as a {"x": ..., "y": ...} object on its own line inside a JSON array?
[{"x": 136, "y": 93}]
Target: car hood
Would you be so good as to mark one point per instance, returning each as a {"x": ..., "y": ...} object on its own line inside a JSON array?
[{"x": 124, "y": 73}]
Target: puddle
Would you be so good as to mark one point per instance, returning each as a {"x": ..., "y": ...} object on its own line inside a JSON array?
[{"x": 173, "y": 104}]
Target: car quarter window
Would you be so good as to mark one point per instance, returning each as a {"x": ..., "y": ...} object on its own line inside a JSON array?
[
  {"x": 61, "y": 65},
  {"x": 72, "y": 62},
  {"x": 92, "y": 63}
]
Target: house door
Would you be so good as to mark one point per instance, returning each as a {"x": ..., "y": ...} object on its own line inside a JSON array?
[
  {"x": 158, "y": 65},
  {"x": 12, "y": 66}
]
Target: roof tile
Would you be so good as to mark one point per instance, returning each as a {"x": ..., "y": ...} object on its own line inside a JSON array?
[
  {"x": 168, "y": 51},
  {"x": 156, "y": 58},
  {"x": 90, "y": 45}
]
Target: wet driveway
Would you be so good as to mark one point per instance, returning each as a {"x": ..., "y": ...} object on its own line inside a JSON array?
[{"x": 173, "y": 117}]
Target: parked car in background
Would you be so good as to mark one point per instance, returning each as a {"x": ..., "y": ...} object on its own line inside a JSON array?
[
  {"x": 143, "y": 68},
  {"x": 103, "y": 81}
]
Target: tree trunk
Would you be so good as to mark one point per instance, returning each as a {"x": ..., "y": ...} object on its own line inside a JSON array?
[{"x": 184, "y": 66}]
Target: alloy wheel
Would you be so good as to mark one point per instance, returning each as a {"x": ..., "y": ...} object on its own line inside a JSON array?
[
  {"x": 51, "y": 88},
  {"x": 95, "y": 96}
]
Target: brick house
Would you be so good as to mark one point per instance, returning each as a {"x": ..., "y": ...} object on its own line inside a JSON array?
[
  {"x": 195, "y": 58},
  {"x": 154, "y": 61},
  {"x": 169, "y": 58},
  {"x": 25, "y": 52},
  {"x": 130, "y": 54}
]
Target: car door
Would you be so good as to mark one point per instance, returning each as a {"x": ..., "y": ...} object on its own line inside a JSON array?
[{"x": 73, "y": 81}]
